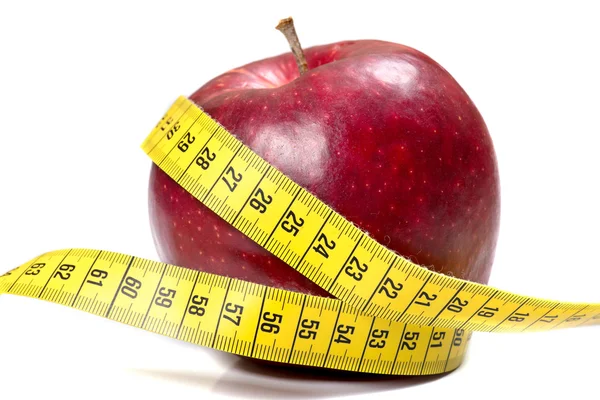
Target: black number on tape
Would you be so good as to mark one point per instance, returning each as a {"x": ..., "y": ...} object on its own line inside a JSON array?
[
  {"x": 172, "y": 131},
  {"x": 357, "y": 274},
  {"x": 272, "y": 322},
  {"x": 260, "y": 201},
  {"x": 310, "y": 329},
  {"x": 487, "y": 312},
  {"x": 457, "y": 305},
  {"x": 236, "y": 310},
  {"x": 458, "y": 337},
  {"x": 198, "y": 304},
  {"x": 409, "y": 341},
  {"x": 342, "y": 331},
  {"x": 166, "y": 297},
  {"x": 237, "y": 177},
  {"x": 205, "y": 158},
  {"x": 390, "y": 288},
  {"x": 575, "y": 318},
  {"x": 184, "y": 144},
  {"x": 518, "y": 317},
  {"x": 64, "y": 271},
  {"x": 378, "y": 338},
  {"x": 427, "y": 297},
  {"x": 162, "y": 128},
  {"x": 548, "y": 318},
  {"x": 99, "y": 274},
  {"x": 436, "y": 339},
  {"x": 131, "y": 287},
  {"x": 323, "y": 245},
  {"x": 294, "y": 226},
  {"x": 35, "y": 269}
]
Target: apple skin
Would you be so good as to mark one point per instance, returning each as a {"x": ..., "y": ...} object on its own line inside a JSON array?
[{"x": 378, "y": 131}]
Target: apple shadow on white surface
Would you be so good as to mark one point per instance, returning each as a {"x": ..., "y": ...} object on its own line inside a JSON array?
[{"x": 245, "y": 378}]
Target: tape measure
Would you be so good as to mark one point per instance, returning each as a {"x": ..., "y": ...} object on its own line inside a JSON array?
[{"x": 390, "y": 316}]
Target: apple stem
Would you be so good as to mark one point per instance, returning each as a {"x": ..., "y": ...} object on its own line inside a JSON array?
[{"x": 286, "y": 26}]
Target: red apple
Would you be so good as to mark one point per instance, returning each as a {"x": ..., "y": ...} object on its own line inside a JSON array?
[{"x": 378, "y": 131}]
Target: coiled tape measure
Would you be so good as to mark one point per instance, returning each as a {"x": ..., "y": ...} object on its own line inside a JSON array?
[{"x": 390, "y": 316}]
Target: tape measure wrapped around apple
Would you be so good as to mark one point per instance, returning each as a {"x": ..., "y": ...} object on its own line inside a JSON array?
[{"x": 339, "y": 184}]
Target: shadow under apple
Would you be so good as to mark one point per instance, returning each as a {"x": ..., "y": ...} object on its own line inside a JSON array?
[{"x": 251, "y": 379}]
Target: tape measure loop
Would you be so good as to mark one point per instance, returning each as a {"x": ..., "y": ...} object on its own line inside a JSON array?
[{"x": 390, "y": 316}]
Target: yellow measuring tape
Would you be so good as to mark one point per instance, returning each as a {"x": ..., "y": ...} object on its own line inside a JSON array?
[{"x": 390, "y": 316}]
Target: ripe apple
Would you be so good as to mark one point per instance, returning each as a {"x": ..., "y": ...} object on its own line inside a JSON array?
[{"x": 378, "y": 131}]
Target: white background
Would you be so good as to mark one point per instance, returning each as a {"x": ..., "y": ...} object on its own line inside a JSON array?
[{"x": 82, "y": 84}]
